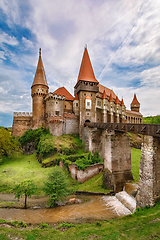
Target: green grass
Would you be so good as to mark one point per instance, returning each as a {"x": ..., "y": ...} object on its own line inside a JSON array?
[
  {"x": 135, "y": 161},
  {"x": 143, "y": 225},
  {"x": 15, "y": 170},
  {"x": 25, "y": 167}
]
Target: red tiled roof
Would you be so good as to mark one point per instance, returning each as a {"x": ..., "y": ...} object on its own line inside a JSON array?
[
  {"x": 76, "y": 97},
  {"x": 104, "y": 95},
  {"x": 135, "y": 101},
  {"x": 107, "y": 90},
  {"x": 122, "y": 102},
  {"x": 117, "y": 100},
  {"x": 69, "y": 115},
  {"x": 40, "y": 76},
  {"x": 64, "y": 92},
  {"x": 86, "y": 71},
  {"x": 110, "y": 98},
  {"x": 88, "y": 97},
  {"x": 133, "y": 112}
]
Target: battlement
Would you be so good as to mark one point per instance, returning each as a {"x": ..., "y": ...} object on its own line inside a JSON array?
[
  {"x": 22, "y": 114},
  {"x": 54, "y": 96}
]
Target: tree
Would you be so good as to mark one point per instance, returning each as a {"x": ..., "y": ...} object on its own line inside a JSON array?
[
  {"x": 26, "y": 188},
  {"x": 57, "y": 186},
  {"x": 8, "y": 144}
]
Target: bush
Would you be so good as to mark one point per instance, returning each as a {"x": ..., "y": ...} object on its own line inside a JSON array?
[
  {"x": 86, "y": 162},
  {"x": 46, "y": 146},
  {"x": 33, "y": 136},
  {"x": 8, "y": 144}
]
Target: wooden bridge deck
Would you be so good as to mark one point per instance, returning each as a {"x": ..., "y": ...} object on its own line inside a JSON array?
[{"x": 144, "y": 129}]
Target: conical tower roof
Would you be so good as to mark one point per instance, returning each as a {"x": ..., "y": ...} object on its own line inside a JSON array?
[
  {"x": 40, "y": 76},
  {"x": 122, "y": 102},
  {"x": 104, "y": 95},
  {"x": 135, "y": 101},
  {"x": 117, "y": 100},
  {"x": 86, "y": 71},
  {"x": 110, "y": 97}
]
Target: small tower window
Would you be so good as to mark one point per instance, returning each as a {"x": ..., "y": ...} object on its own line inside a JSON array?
[
  {"x": 57, "y": 113},
  {"x": 76, "y": 104}
]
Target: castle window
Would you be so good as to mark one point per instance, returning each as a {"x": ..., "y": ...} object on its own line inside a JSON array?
[
  {"x": 84, "y": 94},
  {"x": 37, "y": 89},
  {"x": 91, "y": 95},
  {"x": 87, "y": 113},
  {"x": 57, "y": 113},
  {"x": 56, "y": 102},
  {"x": 42, "y": 90},
  {"x": 88, "y": 104},
  {"x": 76, "y": 104},
  {"x": 65, "y": 106}
]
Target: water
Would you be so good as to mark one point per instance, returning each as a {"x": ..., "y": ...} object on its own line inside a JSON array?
[{"x": 97, "y": 208}]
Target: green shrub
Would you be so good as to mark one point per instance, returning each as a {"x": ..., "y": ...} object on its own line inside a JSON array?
[
  {"x": 33, "y": 136},
  {"x": 8, "y": 144},
  {"x": 46, "y": 146}
]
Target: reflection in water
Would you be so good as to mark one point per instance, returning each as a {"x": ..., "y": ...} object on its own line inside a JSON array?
[{"x": 99, "y": 208}]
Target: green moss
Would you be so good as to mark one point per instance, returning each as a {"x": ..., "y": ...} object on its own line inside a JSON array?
[{"x": 135, "y": 161}]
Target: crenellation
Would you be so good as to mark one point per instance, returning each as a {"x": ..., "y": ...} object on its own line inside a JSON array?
[{"x": 22, "y": 114}]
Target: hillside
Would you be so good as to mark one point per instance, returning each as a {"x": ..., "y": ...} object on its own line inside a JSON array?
[{"x": 152, "y": 119}]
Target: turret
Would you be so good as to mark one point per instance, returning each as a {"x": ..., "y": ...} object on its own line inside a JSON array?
[
  {"x": 123, "y": 111},
  {"x": 76, "y": 105},
  {"x": 135, "y": 105},
  {"x": 39, "y": 89},
  {"x": 117, "y": 110},
  {"x": 86, "y": 89},
  {"x": 111, "y": 108},
  {"x": 104, "y": 106}
]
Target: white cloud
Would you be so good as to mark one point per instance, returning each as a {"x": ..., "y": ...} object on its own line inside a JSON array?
[
  {"x": 122, "y": 37},
  {"x": 10, "y": 40}
]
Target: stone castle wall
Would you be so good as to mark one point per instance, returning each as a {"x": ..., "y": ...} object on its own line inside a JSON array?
[
  {"x": 85, "y": 175},
  {"x": 22, "y": 122}
]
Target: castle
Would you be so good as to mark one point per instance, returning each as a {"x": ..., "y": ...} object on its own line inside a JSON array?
[{"x": 64, "y": 114}]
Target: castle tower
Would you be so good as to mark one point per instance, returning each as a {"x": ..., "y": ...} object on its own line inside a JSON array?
[
  {"x": 123, "y": 111},
  {"x": 117, "y": 110},
  {"x": 39, "y": 89},
  {"x": 86, "y": 89},
  {"x": 104, "y": 107},
  {"x": 135, "y": 105},
  {"x": 111, "y": 109},
  {"x": 76, "y": 105}
]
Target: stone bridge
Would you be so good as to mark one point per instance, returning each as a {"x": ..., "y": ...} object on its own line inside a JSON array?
[{"x": 112, "y": 142}]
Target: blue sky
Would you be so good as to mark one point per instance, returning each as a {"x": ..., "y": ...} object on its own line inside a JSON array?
[{"x": 122, "y": 37}]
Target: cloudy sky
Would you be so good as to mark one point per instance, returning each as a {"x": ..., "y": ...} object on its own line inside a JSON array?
[{"x": 122, "y": 37}]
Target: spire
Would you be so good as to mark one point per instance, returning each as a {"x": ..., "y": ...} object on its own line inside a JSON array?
[
  {"x": 76, "y": 97},
  {"x": 86, "y": 71},
  {"x": 117, "y": 100},
  {"x": 135, "y": 101},
  {"x": 110, "y": 97},
  {"x": 104, "y": 95},
  {"x": 122, "y": 102},
  {"x": 40, "y": 76}
]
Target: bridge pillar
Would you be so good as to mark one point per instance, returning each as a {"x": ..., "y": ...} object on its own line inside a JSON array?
[
  {"x": 114, "y": 149},
  {"x": 117, "y": 160},
  {"x": 149, "y": 175}
]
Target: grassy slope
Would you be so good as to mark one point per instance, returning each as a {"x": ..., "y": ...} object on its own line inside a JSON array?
[
  {"x": 27, "y": 167},
  {"x": 142, "y": 225},
  {"x": 19, "y": 169}
]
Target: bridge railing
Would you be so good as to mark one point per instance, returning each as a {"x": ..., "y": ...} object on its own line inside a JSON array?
[{"x": 144, "y": 129}]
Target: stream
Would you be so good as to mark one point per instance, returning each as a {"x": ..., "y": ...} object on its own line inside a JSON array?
[{"x": 95, "y": 208}]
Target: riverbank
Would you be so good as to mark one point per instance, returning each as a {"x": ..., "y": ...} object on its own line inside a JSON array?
[{"x": 142, "y": 225}]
